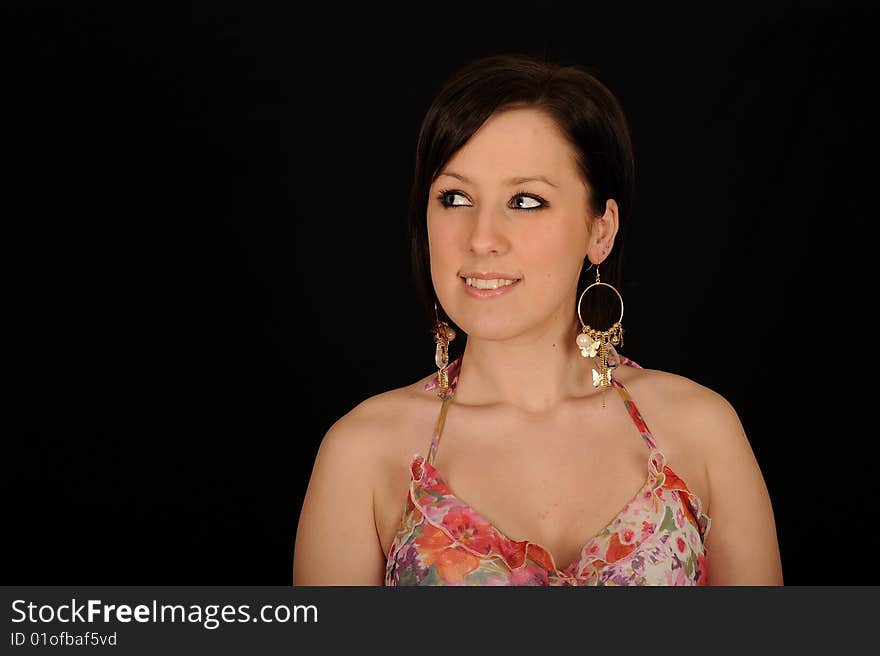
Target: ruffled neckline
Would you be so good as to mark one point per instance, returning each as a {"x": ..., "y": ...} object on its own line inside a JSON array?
[{"x": 469, "y": 528}]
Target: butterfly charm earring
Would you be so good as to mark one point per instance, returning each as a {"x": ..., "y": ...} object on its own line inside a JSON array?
[{"x": 593, "y": 342}]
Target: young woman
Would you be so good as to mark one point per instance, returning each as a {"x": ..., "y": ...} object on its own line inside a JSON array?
[{"x": 562, "y": 462}]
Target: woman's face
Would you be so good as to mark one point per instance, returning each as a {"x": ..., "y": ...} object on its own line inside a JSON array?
[{"x": 487, "y": 219}]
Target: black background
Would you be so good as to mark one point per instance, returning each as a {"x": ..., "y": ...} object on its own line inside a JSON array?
[{"x": 206, "y": 264}]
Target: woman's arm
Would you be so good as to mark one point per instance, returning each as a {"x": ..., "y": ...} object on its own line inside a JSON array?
[
  {"x": 336, "y": 539},
  {"x": 742, "y": 543}
]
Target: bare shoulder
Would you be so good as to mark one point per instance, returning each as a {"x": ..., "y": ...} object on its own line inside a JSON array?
[
  {"x": 705, "y": 416},
  {"x": 338, "y": 508},
  {"x": 379, "y": 424},
  {"x": 691, "y": 422},
  {"x": 662, "y": 381},
  {"x": 704, "y": 411}
]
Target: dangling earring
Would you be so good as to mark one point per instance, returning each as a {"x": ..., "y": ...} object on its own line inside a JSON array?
[
  {"x": 443, "y": 334},
  {"x": 592, "y": 341}
]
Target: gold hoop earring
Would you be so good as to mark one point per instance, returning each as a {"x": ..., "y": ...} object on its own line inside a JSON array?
[
  {"x": 591, "y": 341},
  {"x": 443, "y": 334}
]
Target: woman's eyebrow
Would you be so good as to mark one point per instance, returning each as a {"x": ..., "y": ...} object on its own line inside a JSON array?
[{"x": 510, "y": 181}]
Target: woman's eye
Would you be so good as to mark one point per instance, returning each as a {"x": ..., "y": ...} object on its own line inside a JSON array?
[
  {"x": 528, "y": 199},
  {"x": 446, "y": 196}
]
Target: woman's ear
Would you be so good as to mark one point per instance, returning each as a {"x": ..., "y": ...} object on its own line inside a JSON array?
[{"x": 603, "y": 233}]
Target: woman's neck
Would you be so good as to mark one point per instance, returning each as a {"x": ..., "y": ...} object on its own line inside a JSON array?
[{"x": 534, "y": 373}]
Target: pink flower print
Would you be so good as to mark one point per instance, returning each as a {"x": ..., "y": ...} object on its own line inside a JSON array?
[
  {"x": 679, "y": 518},
  {"x": 676, "y": 576},
  {"x": 647, "y": 529},
  {"x": 627, "y": 535},
  {"x": 681, "y": 544},
  {"x": 447, "y": 504},
  {"x": 527, "y": 576},
  {"x": 499, "y": 579}
]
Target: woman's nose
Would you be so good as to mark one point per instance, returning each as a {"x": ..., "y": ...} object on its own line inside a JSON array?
[{"x": 488, "y": 231}]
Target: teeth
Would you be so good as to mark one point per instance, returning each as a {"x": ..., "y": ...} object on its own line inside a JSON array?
[{"x": 479, "y": 283}]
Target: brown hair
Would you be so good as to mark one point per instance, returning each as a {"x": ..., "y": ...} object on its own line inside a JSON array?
[{"x": 588, "y": 114}]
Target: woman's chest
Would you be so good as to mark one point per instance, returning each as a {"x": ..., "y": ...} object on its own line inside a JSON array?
[{"x": 555, "y": 480}]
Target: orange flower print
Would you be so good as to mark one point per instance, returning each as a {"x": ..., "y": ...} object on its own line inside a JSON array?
[
  {"x": 451, "y": 562},
  {"x": 537, "y": 554},
  {"x": 673, "y": 482},
  {"x": 688, "y": 511},
  {"x": 513, "y": 553},
  {"x": 465, "y": 527},
  {"x": 616, "y": 550}
]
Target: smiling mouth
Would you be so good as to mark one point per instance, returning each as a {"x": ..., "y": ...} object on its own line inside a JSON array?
[
  {"x": 487, "y": 288},
  {"x": 494, "y": 283}
]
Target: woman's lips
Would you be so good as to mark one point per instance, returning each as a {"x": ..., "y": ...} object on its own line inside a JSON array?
[{"x": 487, "y": 293}]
